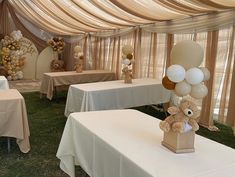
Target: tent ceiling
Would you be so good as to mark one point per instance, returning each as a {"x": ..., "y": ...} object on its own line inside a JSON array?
[{"x": 72, "y": 17}]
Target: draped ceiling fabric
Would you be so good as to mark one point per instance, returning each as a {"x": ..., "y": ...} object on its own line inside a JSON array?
[
  {"x": 152, "y": 27},
  {"x": 73, "y": 17}
]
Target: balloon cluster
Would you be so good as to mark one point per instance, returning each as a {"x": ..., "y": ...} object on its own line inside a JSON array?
[
  {"x": 184, "y": 76},
  {"x": 12, "y": 56},
  {"x": 127, "y": 60},
  {"x": 127, "y": 55},
  {"x": 78, "y": 55},
  {"x": 57, "y": 44}
]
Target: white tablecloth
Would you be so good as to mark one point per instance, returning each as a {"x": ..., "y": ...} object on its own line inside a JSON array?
[
  {"x": 55, "y": 79},
  {"x": 3, "y": 83},
  {"x": 13, "y": 118},
  {"x": 115, "y": 95},
  {"x": 127, "y": 143}
]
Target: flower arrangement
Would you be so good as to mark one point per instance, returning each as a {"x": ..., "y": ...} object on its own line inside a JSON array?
[
  {"x": 127, "y": 56},
  {"x": 57, "y": 44},
  {"x": 12, "y": 56}
]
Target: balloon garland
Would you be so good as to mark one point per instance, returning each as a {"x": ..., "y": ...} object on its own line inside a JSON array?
[
  {"x": 12, "y": 56},
  {"x": 78, "y": 55},
  {"x": 185, "y": 76},
  {"x": 57, "y": 44},
  {"x": 127, "y": 61}
]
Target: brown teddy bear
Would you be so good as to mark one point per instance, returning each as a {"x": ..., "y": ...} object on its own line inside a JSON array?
[{"x": 181, "y": 117}]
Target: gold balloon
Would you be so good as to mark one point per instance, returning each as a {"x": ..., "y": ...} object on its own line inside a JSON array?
[{"x": 168, "y": 84}]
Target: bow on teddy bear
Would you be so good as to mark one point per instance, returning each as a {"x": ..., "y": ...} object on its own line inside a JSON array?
[{"x": 181, "y": 117}]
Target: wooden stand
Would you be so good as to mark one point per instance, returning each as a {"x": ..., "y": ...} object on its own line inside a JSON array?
[{"x": 179, "y": 142}]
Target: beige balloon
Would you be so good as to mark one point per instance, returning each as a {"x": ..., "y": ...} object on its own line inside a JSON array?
[
  {"x": 187, "y": 54},
  {"x": 199, "y": 91},
  {"x": 206, "y": 73},
  {"x": 182, "y": 88},
  {"x": 77, "y": 49}
]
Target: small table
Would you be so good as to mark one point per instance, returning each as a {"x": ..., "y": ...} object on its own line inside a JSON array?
[
  {"x": 55, "y": 79},
  {"x": 3, "y": 83},
  {"x": 127, "y": 143},
  {"x": 13, "y": 118},
  {"x": 115, "y": 95}
]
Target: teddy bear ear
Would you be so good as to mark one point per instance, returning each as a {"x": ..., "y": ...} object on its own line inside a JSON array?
[{"x": 173, "y": 110}]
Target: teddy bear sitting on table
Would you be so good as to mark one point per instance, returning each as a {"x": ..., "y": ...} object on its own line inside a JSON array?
[{"x": 181, "y": 118}]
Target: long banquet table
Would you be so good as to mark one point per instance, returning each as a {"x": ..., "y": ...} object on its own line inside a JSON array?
[
  {"x": 3, "y": 83},
  {"x": 13, "y": 118},
  {"x": 115, "y": 95},
  {"x": 55, "y": 79},
  {"x": 127, "y": 143}
]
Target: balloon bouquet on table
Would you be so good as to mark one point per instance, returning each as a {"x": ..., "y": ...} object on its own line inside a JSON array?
[
  {"x": 78, "y": 55},
  {"x": 185, "y": 78},
  {"x": 57, "y": 44},
  {"x": 127, "y": 61}
]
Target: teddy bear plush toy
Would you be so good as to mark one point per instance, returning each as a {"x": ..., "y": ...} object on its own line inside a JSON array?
[
  {"x": 127, "y": 75},
  {"x": 181, "y": 118}
]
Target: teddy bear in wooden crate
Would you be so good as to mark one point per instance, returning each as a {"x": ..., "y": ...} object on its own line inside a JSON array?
[{"x": 180, "y": 126}]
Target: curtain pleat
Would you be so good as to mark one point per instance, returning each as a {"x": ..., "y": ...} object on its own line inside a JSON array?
[{"x": 206, "y": 118}]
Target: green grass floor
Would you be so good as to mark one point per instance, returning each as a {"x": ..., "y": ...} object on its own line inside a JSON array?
[{"x": 46, "y": 123}]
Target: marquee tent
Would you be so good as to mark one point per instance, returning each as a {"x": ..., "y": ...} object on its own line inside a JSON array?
[{"x": 152, "y": 27}]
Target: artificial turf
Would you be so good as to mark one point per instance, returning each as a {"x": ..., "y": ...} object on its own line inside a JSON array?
[{"x": 46, "y": 123}]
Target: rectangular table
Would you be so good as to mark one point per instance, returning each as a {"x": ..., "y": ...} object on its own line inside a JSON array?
[
  {"x": 3, "y": 83},
  {"x": 13, "y": 118},
  {"x": 55, "y": 79},
  {"x": 127, "y": 143},
  {"x": 115, "y": 95}
]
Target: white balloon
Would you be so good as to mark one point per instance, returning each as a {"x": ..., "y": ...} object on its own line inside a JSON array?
[
  {"x": 194, "y": 76},
  {"x": 126, "y": 61},
  {"x": 206, "y": 73},
  {"x": 175, "y": 73},
  {"x": 187, "y": 54},
  {"x": 182, "y": 88},
  {"x": 199, "y": 91}
]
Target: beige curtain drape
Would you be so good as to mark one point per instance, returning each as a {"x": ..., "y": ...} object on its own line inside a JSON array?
[
  {"x": 73, "y": 17},
  {"x": 9, "y": 22},
  {"x": 206, "y": 118},
  {"x": 6, "y": 24}
]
